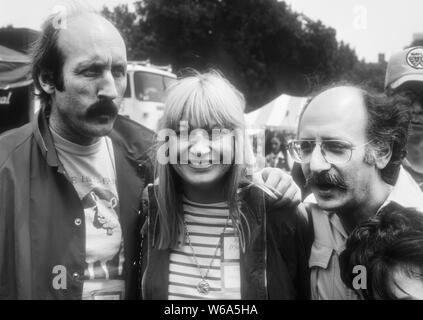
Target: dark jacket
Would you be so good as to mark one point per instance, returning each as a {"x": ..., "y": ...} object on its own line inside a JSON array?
[
  {"x": 41, "y": 213},
  {"x": 275, "y": 262}
]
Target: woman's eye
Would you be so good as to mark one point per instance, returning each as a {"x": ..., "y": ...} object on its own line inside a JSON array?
[
  {"x": 219, "y": 133},
  {"x": 216, "y": 134}
]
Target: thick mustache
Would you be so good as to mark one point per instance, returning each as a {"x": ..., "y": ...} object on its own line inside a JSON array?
[
  {"x": 325, "y": 178},
  {"x": 102, "y": 107}
]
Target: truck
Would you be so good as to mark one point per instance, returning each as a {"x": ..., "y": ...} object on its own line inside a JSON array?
[{"x": 145, "y": 90}]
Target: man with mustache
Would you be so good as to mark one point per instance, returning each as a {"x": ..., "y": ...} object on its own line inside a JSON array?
[
  {"x": 76, "y": 163},
  {"x": 350, "y": 146},
  {"x": 76, "y": 148}
]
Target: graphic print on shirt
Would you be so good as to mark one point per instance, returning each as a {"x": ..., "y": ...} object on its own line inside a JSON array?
[{"x": 103, "y": 233}]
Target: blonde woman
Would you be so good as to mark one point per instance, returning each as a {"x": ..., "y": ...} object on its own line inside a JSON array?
[{"x": 209, "y": 234}]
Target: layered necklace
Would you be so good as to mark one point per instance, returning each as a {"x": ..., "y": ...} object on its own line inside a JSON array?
[{"x": 203, "y": 287}]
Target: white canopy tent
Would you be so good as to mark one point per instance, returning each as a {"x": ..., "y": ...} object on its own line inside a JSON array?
[{"x": 281, "y": 114}]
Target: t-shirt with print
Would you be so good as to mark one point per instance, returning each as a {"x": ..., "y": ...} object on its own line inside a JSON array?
[{"x": 91, "y": 170}]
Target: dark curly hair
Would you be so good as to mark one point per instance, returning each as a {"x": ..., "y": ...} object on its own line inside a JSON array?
[
  {"x": 388, "y": 128},
  {"x": 391, "y": 240}
]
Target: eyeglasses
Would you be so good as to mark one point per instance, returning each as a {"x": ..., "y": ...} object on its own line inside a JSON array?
[{"x": 333, "y": 151}]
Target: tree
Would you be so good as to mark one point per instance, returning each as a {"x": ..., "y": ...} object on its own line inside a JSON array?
[
  {"x": 262, "y": 46},
  {"x": 126, "y": 22}
]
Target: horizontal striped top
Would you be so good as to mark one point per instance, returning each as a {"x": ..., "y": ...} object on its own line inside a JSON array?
[{"x": 205, "y": 223}]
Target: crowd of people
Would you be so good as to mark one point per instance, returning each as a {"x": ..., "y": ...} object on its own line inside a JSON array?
[{"x": 96, "y": 206}]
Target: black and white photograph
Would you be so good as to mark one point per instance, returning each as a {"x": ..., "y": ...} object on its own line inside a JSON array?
[{"x": 211, "y": 151}]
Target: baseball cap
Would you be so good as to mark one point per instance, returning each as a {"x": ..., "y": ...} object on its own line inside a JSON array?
[{"x": 404, "y": 66}]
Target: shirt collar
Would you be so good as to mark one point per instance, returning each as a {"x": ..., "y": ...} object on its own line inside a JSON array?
[
  {"x": 406, "y": 192},
  {"x": 336, "y": 223}
]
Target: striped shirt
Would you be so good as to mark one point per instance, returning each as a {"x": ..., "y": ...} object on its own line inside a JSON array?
[{"x": 205, "y": 224}]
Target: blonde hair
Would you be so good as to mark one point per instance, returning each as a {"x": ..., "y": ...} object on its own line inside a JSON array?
[{"x": 203, "y": 99}]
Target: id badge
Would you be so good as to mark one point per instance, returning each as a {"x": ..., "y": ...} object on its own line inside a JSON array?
[
  {"x": 103, "y": 290},
  {"x": 230, "y": 247},
  {"x": 229, "y": 267},
  {"x": 108, "y": 295}
]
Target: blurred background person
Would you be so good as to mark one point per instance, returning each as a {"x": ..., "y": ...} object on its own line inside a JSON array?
[
  {"x": 404, "y": 75},
  {"x": 278, "y": 156}
]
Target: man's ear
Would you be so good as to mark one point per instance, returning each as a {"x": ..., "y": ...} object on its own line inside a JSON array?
[
  {"x": 383, "y": 155},
  {"x": 46, "y": 81}
]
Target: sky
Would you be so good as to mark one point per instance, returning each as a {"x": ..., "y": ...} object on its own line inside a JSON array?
[{"x": 368, "y": 26}]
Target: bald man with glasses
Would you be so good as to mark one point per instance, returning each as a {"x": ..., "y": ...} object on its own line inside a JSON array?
[{"x": 350, "y": 143}]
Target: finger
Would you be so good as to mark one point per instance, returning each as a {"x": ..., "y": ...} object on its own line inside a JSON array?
[
  {"x": 284, "y": 184},
  {"x": 297, "y": 197},
  {"x": 258, "y": 178},
  {"x": 274, "y": 191},
  {"x": 274, "y": 176},
  {"x": 292, "y": 197},
  {"x": 265, "y": 173}
]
